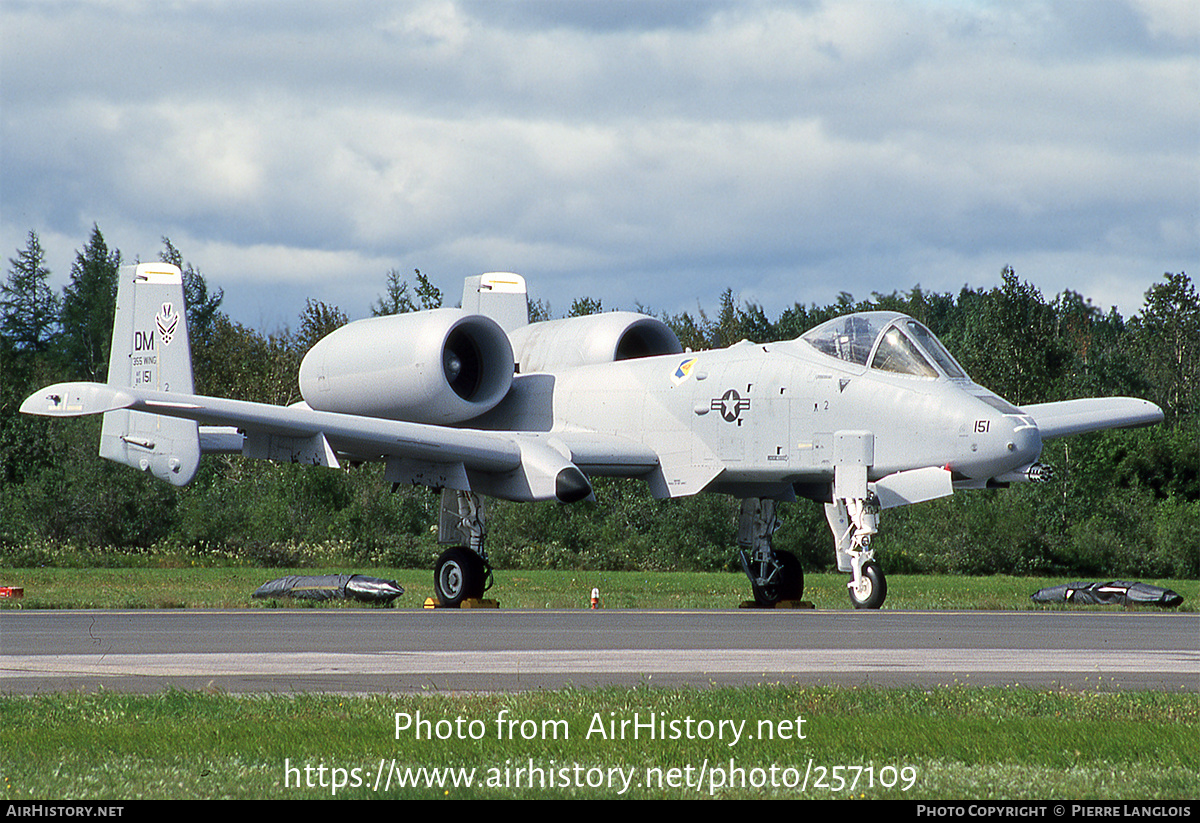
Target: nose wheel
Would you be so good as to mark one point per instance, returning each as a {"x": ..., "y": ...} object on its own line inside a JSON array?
[{"x": 870, "y": 590}]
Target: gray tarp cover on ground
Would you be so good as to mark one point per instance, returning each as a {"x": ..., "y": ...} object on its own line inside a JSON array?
[
  {"x": 331, "y": 587},
  {"x": 1114, "y": 592}
]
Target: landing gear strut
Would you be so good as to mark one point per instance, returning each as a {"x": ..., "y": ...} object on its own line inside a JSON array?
[
  {"x": 462, "y": 571},
  {"x": 774, "y": 575},
  {"x": 853, "y": 520}
]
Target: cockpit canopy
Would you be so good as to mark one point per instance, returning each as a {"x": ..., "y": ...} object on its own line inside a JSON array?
[{"x": 887, "y": 341}]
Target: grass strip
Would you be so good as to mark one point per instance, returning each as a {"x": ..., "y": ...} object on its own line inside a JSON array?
[
  {"x": 792, "y": 742},
  {"x": 231, "y": 587}
]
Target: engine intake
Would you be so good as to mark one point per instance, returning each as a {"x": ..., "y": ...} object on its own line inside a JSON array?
[
  {"x": 441, "y": 366},
  {"x": 594, "y": 338}
]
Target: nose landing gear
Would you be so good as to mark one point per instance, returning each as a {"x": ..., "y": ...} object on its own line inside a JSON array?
[{"x": 853, "y": 521}]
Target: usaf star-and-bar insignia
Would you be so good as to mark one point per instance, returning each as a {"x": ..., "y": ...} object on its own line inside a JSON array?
[{"x": 730, "y": 405}]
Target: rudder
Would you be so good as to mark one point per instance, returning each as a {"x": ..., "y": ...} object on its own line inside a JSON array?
[{"x": 151, "y": 350}]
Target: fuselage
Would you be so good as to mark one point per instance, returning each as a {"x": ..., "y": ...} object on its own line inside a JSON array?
[{"x": 756, "y": 414}]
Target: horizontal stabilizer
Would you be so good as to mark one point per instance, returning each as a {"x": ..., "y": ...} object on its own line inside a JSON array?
[
  {"x": 76, "y": 400},
  {"x": 221, "y": 440},
  {"x": 1092, "y": 414}
]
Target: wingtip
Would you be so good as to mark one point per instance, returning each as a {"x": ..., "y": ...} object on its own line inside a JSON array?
[{"x": 75, "y": 400}]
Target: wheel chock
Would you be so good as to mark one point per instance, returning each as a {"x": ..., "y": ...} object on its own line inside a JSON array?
[{"x": 471, "y": 602}]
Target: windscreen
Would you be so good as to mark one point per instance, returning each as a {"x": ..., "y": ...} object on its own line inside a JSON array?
[
  {"x": 936, "y": 350},
  {"x": 896, "y": 353}
]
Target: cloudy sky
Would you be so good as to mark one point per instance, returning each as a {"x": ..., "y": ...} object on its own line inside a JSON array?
[{"x": 635, "y": 152}]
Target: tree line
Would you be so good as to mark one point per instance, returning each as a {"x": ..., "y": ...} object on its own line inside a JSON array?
[{"x": 1124, "y": 503}]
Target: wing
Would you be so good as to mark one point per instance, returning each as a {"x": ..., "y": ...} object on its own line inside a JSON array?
[
  {"x": 1092, "y": 414},
  {"x": 510, "y": 465}
]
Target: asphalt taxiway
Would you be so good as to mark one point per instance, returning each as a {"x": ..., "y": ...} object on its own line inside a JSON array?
[{"x": 377, "y": 650}]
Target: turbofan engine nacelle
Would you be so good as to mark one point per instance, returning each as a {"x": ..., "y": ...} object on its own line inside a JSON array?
[
  {"x": 440, "y": 366},
  {"x": 591, "y": 339}
]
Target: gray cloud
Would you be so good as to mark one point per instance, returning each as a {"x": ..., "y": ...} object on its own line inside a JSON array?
[{"x": 636, "y": 152}]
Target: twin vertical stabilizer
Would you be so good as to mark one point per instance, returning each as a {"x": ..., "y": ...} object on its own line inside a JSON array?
[
  {"x": 498, "y": 295},
  {"x": 151, "y": 350}
]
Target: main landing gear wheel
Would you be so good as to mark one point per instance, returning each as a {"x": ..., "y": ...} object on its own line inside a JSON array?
[
  {"x": 789, "y": 586},
  {"x": 459, "y": 575},
  {"x": 871, "y": 591}
]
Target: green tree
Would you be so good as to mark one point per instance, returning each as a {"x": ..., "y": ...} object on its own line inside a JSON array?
[
  {"x": 1098, "y": 361},
  {"x": 429, "y": 296},
  {"x": 583, "y": 306},
  {"x": 202, "y": 307},
  {"x": 688, "y": 330},
  {"x": 247, "y": 365},
  {"x": 30, "y": 307},
  {"x": 1009, "y": 342},
  {"x": 316, "y": 321},
  {"x": 734, "y": 323},
  {"x": 799, "y": 319},
  {"x": 1167, "y": 339},
  {"x": 397, "y": 299},
  {"x": 87, "y": 308},
  {"x": 539, "y": 310}
]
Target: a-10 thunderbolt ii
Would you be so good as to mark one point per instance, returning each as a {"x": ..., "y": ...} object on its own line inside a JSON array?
[{"x": 862, "y": 413}]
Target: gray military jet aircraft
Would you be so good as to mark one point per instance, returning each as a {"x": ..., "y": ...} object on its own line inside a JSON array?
[{"x": 862, "y": 413}]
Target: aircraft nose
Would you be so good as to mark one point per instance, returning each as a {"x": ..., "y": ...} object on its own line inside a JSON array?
[
  {"x": 1001, "y": 444},
  {"x": 1024, "y": 442}
]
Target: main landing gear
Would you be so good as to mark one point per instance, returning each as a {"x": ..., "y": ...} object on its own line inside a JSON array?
[
  {"x": 462, "y": 571},
  {"x": 774, "y": 575},
  {"x": 459, "y": 575}
]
